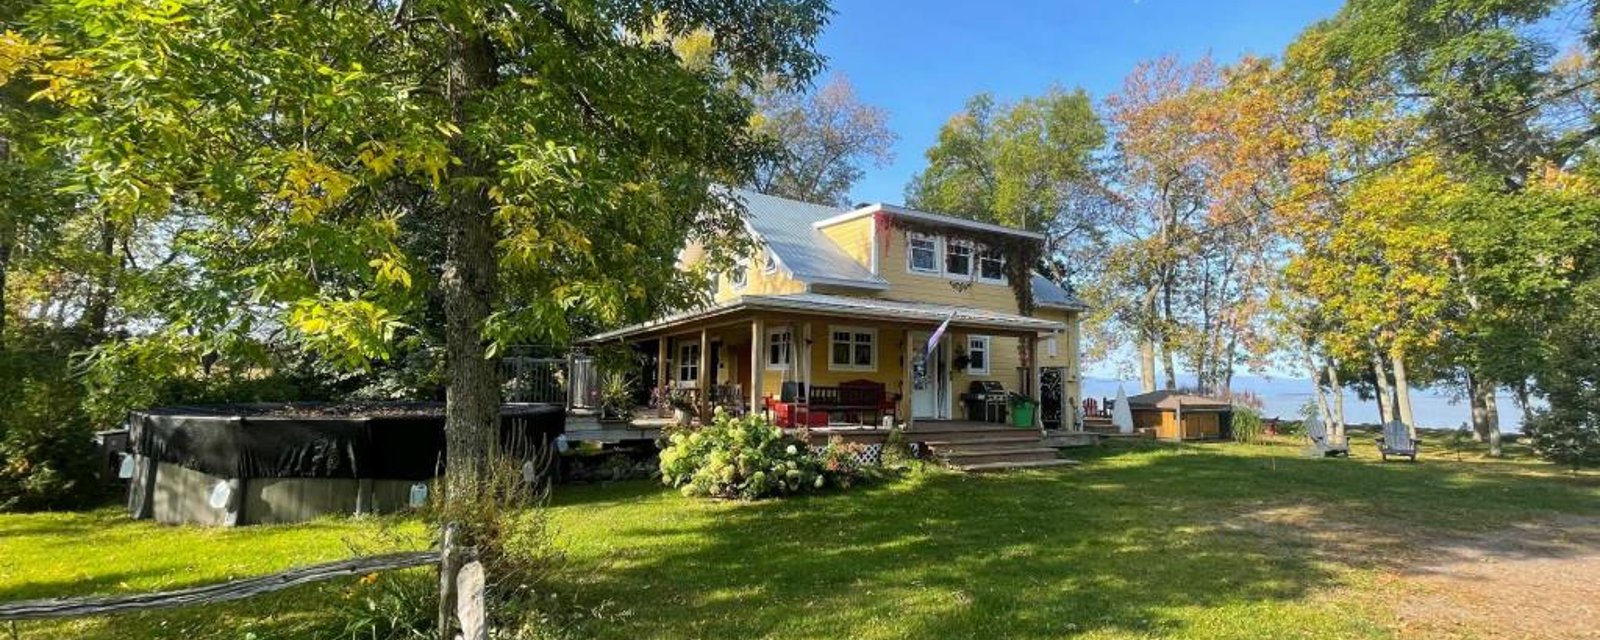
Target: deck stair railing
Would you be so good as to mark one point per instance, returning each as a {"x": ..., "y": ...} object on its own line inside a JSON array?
[{"x": 538, "y": 374}]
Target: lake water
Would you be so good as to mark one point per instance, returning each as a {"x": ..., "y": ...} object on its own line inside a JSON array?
[{"x": 1284, "y": 397}]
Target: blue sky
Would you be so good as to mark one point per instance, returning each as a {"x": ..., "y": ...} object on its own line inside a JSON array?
[{"x": 922, "y": 60}]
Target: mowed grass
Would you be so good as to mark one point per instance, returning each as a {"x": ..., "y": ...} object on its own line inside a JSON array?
[
  {"x": 1199, "y": 541},
  {"x": 46, "y": 555}
]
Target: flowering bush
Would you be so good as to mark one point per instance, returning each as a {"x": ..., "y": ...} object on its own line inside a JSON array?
[{"x": 749, "y": 458}]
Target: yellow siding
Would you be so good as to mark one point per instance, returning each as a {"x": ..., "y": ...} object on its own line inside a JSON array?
[
  {"x": 760, "y": 282},
  {"x": 854, "y": 237},
  {"x": 936, "y": 288}
]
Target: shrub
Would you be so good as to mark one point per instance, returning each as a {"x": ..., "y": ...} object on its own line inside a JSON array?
[
  {"x": 749, "y": 458},
  {"x": 1247, "y": 424},
  {"x": 1568, "y": 432},
  {"x": 47, "y": 453},
  {"x": 897, "y": 450}
]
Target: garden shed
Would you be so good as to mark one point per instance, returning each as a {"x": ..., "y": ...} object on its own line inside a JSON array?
[
  {"x": 1178, "y": 416},
  {"x": 275, "y": 463}
]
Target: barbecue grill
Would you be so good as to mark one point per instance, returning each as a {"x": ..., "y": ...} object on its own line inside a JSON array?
[{"x": 986, "y": 400}]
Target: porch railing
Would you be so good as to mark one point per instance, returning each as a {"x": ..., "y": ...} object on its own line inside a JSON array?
[{"x": 573, "y": 380}]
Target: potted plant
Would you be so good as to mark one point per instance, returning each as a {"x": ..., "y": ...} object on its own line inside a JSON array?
[
  {"x": 616, "y": 398},
  {"x": 682, "y": 404},
  {"x": 960, "y": 361}
]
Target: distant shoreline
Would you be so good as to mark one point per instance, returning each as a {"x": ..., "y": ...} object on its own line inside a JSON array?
[{"x": 1284, "y": 397}]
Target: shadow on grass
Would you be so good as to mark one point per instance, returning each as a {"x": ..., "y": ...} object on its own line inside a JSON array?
[{"x": 1137, "y": 541}]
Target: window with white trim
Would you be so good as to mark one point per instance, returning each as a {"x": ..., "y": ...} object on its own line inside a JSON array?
[
  {"x": 772, "y": 263},
  {"x": 1050, "y": 347},
  {"x": 957, "y": 258},
  {"x": 992, "y": 265},
  {"x": 780, "y": 349},
  {"x": 689, "y": 362},
  {"x": 978, "y": 355},
  {"x": 852, "y": 349},
  {"x": 740, "y": 275},
  {"x": 922, "y": 253}
]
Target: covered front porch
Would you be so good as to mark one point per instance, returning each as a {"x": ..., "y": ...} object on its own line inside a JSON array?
[{"x": 838, "y": 364}]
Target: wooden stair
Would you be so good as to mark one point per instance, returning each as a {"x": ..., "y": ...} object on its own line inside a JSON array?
[
  {"x": 977, "y": 448},
  {"x": 1099, "y": 424}
]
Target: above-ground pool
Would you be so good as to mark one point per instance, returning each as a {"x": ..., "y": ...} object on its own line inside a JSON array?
[{"x": 270, "y": 463}]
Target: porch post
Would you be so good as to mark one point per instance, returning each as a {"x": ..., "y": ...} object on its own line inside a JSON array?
[
  {"x": 757, "y": 365},
  {"x": 661, "y": 362},
  {"x": 702, "y": 379},
  {"x": 1034, "y": 381},
  {"x": 907, "y": 359},
  {"x": 805, "y": 363}
]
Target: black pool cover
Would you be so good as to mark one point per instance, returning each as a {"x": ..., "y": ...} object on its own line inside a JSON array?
[{"x": 389, "y": 442}]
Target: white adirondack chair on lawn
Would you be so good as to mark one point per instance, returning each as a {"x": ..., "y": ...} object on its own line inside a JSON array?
[
  {"x": 1324, "y": 444},
  {"x": 1397, "y": 441}
]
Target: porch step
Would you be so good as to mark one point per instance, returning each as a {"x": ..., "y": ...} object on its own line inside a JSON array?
[
  {"x": 1007, "y": 466},
  {"x": 964, "y": 458},
  {"x": 1064, "y": 439},
  {"x": 975, "y": 436}
]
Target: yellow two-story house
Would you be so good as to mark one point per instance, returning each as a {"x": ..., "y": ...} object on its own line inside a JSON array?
[{"x": 853, "y": 315}]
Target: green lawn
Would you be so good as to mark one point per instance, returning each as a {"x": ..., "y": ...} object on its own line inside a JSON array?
[{"x": 1195, "y": 541}]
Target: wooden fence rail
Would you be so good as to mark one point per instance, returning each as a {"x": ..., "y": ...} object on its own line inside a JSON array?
[{"x": 224, "y": 592}]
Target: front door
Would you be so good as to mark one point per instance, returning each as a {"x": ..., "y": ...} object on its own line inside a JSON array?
[
  {"x": 930, "y": 379},
  {"x": 1053, "y": 403}
]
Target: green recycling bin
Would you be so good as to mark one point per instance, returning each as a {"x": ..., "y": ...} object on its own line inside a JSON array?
[{"x": 1022, "y": 408}]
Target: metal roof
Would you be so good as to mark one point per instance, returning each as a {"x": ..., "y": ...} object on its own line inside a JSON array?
[
  {"x": 786, "y": 228},
  {"x": 848, "y": 307},
  {"x": 934, "y": 218},
  {"x": 1049, "y": 294},
  {"x": 1173, "y": 399}
]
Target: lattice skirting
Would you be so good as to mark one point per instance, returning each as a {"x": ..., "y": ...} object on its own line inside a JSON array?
[{"x": 873, "y": 453}]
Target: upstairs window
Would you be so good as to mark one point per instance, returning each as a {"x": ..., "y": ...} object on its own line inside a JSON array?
[
  {"x": 740, "y": 275},
  {"x": 772, "y": 263},
  {"x": 958, "y": 258},
  {"x": 922, "y": 254},
  {"x": 992, "y": 266}
]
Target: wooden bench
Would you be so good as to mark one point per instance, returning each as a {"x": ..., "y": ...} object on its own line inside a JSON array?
[{"x": 854, "y": 396}]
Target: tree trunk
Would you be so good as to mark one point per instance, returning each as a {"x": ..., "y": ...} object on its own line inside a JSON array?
[
  {"x": 1524, "y": 399},
  {"x": 7, "y": 240},
  {"x": 1380, "y": 375},
  {"x": 467, "y": 284},
  {"x": 1168, "y": 361},
  {"x": 1402, "y": 391},
  {"x": 1147, "y": 365},
  {"x": 1338, "y": 400},
  {"x": 1323, "y": 410},
  {"x": 97, "y": 309},
  {"x": 1474, "y": 411},
  {"x": 1486, "y": 415},
  {"x": 1168, "y": 366}
]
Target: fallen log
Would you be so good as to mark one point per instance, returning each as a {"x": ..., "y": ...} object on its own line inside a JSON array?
[{"x": 209, "y": 594}]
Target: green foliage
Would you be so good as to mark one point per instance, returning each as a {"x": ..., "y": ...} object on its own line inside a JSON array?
[
  {"x": 1021, "y": 164},
  {"x": 47, "y": 454},
  {"x": 896, "y": 449},
  {"x": 750, "y": 459},
  {"x": 394, "y": 605},
  {"x": 1247, "y": 424},
  {"x": 616, "y": 395},
  {"x": 1568, "y": 432}
]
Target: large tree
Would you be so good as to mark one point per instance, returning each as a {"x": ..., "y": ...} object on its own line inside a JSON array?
[
  {"x": 1029, "y": 164},
  {"x": 561, "y": 149},
  {"x": 828, "y": 138}
]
